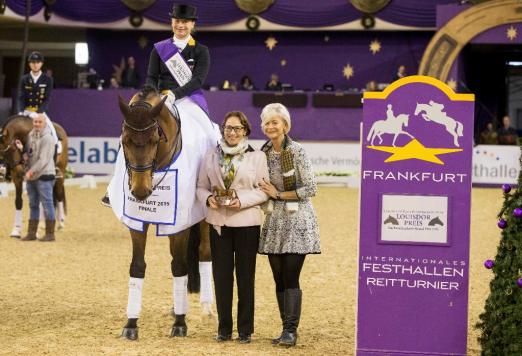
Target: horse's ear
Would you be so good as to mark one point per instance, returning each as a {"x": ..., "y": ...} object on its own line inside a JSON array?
[
  {"x": 124, "y": 108},
  {"x": 157, "y": 109}
]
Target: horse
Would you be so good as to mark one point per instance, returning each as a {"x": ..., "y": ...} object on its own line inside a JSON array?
[
  {"x": 150, "y": 138},
  {"x": 17, "y": 127},
  {"x": 392, "y": 126},
  {"x": 431, "y": 113}
]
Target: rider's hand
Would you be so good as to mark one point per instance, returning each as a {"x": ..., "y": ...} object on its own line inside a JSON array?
[{"x": 19, "y": 145}]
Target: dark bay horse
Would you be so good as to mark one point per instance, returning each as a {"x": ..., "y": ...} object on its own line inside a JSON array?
[
  {"x": 17, "y": 127},
  {"x": 151, "y": 137}
]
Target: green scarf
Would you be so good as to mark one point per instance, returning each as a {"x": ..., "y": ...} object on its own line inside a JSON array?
[{"x": 287, "y": 163}]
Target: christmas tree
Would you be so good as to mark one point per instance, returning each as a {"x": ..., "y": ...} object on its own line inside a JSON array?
[{"x": 501, "y": 322}]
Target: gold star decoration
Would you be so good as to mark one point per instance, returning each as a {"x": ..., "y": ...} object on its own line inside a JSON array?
[
  {"x": 143, "y": 41},
  {"x": 511, "y": 33},
  {"x": 271, "y": 42},
  {"x": 452, "y": 84},
  {"x": 375, "y": 46},
  {"x": 283, "y": 62},
  {"x": 414, "y": 150},
  {"x": 348, "y": 71}
]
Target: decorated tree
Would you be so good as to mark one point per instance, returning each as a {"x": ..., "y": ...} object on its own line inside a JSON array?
[{"x": 501, "y": 321}]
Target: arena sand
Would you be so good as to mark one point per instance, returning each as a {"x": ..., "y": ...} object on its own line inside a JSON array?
[{"x": 70, "y": 297}]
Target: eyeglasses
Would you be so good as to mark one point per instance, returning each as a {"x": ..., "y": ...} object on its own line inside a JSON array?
[{"x": 236, "y": 129}]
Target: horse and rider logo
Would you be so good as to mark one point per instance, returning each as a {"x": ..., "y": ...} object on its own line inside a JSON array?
[{"x": 395, "y": 125}]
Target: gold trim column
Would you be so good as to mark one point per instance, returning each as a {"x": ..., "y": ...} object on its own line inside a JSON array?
[{"x": 449, "y": 40}]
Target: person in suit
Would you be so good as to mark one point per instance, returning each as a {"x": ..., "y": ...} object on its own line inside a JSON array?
[
  {"x": 236, "y": 169},
  {"x": 273, "y": 84},
  {"x": 35, "y": 88},
  {"x": 194, "y": 53},
  {"x": 35, "y": 93}
]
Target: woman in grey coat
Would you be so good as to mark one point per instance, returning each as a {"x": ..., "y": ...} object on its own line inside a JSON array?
[{"x": 290, "y": 230}]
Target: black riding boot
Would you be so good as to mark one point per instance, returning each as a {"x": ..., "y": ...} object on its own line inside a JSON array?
[
  {"x": 293, "y": 299},
  {"x": 281, "y": 304}
]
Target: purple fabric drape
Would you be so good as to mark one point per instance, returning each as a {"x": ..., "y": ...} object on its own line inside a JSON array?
[
  {"x": 219, "y": 12},
  {"x": 313, "y": 14}
]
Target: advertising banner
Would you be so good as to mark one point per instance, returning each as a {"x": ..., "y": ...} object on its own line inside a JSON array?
[{"x": 416, "y": 174}]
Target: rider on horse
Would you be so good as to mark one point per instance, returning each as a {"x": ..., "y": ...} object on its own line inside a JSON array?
[{"x": 35, "y": 92}]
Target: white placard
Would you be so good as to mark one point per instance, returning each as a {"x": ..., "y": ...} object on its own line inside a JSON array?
[
  {"x": 414, "y": 219},
  {"x": 179, "y": 69},
  {"x": 495, "y": 164}
]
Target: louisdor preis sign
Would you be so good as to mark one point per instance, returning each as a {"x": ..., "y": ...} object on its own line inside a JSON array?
[{"x": 414, "y": 220}]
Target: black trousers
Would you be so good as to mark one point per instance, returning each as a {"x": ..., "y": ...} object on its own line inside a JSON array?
[{"x": 237, "y": 246}]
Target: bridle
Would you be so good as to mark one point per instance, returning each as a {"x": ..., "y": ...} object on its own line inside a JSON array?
[
  {"x": 152, "y": 165},
  {"x": 11, "y": 146}
]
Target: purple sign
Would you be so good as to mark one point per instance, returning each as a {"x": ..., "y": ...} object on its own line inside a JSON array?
[{"x": 414, "y": 219}]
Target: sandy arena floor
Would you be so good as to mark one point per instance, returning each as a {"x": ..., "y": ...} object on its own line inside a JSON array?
[{"x": 70, "y": 297}]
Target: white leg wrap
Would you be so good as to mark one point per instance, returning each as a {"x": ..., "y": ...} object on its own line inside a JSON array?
[
  {"x": 180, "y": 294},
  {"x": 42, "y": 215},
  {"x": 134, "y": 301},
  {"x": 205, "y": 277},
  {"x": 60, "y": 212},
  {"x": 18, "y": 218}
]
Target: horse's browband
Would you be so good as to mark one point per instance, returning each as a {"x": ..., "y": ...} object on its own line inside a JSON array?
[{"x": 154, "y": 124}]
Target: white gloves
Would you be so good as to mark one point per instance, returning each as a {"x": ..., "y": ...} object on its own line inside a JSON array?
[{"x": 171, "y": 98}]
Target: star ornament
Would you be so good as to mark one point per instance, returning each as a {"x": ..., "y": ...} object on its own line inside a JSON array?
[
  {"x": 271, "y": 42},
  {"x": 452, "y": 84},
  {"x": 348, "y": 71},
  {"x": 415, "y": 150},
  {"x": 375, "y": 46},
  {"x": 511, "y": 33}
]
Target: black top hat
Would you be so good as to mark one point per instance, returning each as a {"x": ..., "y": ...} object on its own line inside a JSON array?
[
  {"x": 35, "y": 57},
  {"x": 186, "y": 12}
]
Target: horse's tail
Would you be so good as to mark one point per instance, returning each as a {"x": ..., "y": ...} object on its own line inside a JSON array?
[
  {"x": 193, "y": 285},
  {"x": 370, "y": 134},
  {"x": 460, "y": 129}
]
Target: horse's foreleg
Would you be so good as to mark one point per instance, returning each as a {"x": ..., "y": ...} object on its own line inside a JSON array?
[
  {"x": 179, "y": 268},
  {"x": 59, "y": 197},
  {"x": 394, "y": 138},
  {"x": 17, "y": 227},
  {"x": 137, "y": 274},
  {"x": 205, "y": 270}
]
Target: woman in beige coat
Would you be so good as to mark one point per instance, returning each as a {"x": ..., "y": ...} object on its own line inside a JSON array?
[{"x": 228, "y": 182}]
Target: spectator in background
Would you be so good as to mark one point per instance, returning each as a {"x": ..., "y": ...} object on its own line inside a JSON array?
[
  {"x": 401, "y": 73},
  {"x": 113, "y": 84},
  {"x": 130, "y": 77},
  {"x": 273, "y": 84},
  {"x": 488, "y": 136},
  {"x": 371, "y": 86},
  {"x": 228, "y": 85},
  {"x": 506, "y": 134},
  {"x": 246, "y": 83},
  {"x": 49, "y": 73}
]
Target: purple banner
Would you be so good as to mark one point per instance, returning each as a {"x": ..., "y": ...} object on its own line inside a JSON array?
[{"x": 414, "y": 219}]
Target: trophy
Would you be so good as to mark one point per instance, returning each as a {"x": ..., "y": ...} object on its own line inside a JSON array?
[{"x": 224, "y": 197}]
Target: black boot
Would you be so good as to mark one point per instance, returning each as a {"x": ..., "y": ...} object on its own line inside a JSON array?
[
  {"x": 281, "y": 304},
  {"x": 293, "y": 299}
]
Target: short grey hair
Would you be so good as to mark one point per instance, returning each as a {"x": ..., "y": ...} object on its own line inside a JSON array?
[{"x": 275, "y": 109}]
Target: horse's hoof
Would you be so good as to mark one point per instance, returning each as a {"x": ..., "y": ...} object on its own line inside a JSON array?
[
  {"x": 16, "y": 233},
  {"x": 206, "y": 312},
  {"x": 178, "y": 331},
  {"x": 61, "y": 225},
  {"x": 130, "y": 333}
]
